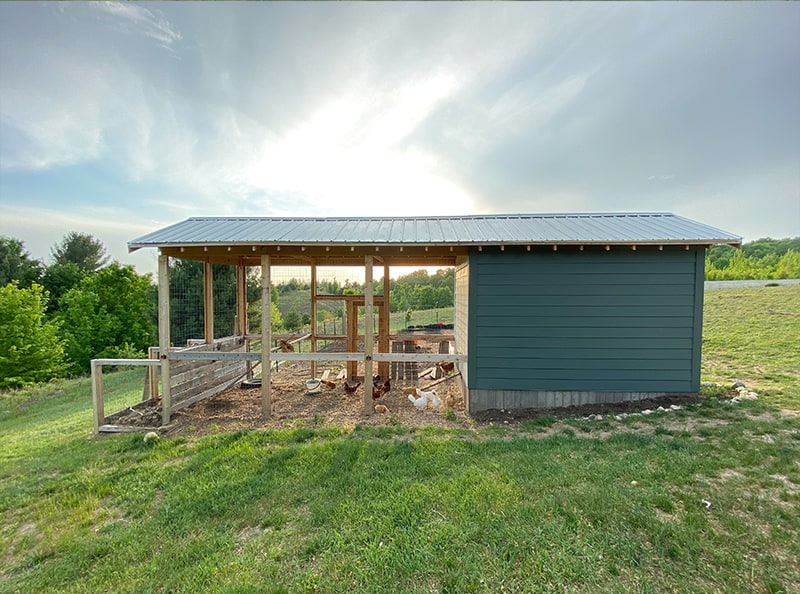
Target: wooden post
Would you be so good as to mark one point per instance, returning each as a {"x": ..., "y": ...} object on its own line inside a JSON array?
[
  {"x": 152, "y": 374},
  {"x": 369, "y": 335},
  {"x": 383, "y": 324},
  {"x": 266, "y": 336},
  {"x": 240, "y": 324},
  {"x": 208, "y": 302},
  {"x": 352, "y": 338},
  {"x": 97, "y": 396},
  {"x": 313, "y": 317},
  {"x": 163, "y": 336}
]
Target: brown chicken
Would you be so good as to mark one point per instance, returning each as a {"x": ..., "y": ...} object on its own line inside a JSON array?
[
  {"x": 450, "y": 401},
  {"x": 350, "y": 388},
  {"x": 285, "y": 346},
  {"x": 379, "y": 389},
  {"x": 446, "y": 366}
]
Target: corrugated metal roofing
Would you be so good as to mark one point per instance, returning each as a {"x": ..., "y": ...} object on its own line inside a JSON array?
[{"x": 620, "y": 228}]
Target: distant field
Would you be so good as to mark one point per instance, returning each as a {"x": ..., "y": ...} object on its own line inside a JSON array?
[
  {"x": 705, "y": 499},
  {"x": 752, "y": 335}
]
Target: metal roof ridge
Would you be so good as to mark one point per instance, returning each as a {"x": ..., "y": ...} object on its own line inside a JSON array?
[{"x": 621, "y": 214}]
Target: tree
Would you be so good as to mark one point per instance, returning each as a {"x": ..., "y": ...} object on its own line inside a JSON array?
[
  {"x": 57, "y": 279},
  {"x": 293, "y": 321},
  {"x": 30, "y": 349},
  {"x": 254, "y": 317},
  {"x": 81, "y": 249},
  {"x": 109, "y": 314},
  {"x": 789, "y": 265},
  {"x": 16, "y": 263}
]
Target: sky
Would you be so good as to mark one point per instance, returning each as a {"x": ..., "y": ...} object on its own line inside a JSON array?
[{"x": 117, "y": 119}]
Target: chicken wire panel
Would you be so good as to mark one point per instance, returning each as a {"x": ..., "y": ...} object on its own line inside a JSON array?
[
  {"x": 224, "y": 291},
  {"x": 128, "y": 395},
  {"x": 185, "y": 301}
]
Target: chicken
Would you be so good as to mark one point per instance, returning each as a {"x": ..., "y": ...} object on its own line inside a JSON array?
[
  {"x": 350, "y": 388},
  {"x": 328, "y": 384},
  {"x": 435, "y": 402},
  {"x": 285, "y": 346},
  {"x": 381, "y": 409},
  {"x": 421, "y": 403},
  {"x": 379, "y": 389},
  {"x": 450, "y": 401},
  {"x": 427, "y": 395},
  {"x": 446, "y": 366},
  {"x": 410, "y": 390}
]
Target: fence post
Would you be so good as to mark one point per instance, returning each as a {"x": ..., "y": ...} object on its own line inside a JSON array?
[
  {"x": 163, "y": 336},
  {"x": 369, "y": 333},
  {"x": 97, "y": 396},
  {"x": 266, "y": 336}
]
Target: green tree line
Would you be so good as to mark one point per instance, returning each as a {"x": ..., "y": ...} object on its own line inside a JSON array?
[
  {"x": 56, "y": 317},
  {"x": 761, "y": 259},
  {"x": 417, "y": 291}
]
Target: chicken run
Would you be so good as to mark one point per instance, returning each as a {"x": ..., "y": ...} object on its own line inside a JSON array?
[{"x": 298, "y": 399}]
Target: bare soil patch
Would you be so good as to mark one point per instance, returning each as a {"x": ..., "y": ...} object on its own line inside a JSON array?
[{"x": 608, "y": 408}]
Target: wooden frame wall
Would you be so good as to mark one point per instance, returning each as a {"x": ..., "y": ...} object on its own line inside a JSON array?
[{"x": 266, "y": 259}]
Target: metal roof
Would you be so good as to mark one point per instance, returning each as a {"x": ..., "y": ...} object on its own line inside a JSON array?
[{"x": 509, "y": 229}]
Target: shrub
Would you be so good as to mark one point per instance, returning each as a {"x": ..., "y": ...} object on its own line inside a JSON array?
[{"x": 30, "y": 349}]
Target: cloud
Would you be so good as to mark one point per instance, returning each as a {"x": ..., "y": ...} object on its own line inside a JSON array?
[
  {"x": 135, "y": 18},
  {"x": 44, "y": 227},
  {"x": 383, "y": 108}
]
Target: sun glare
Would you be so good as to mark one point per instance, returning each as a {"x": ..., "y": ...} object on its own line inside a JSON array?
[{"x": 347, "y": 157}]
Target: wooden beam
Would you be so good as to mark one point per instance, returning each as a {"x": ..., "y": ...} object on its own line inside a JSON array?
[
  {"x": 279, "y": 356},
  {"x": 208, "y": 302},
  {"x": 358, "y": 298},
  {"x": 266, "y": 336},
  {"x": 127, "y": 362},
  {"x": 369, "y": 337},
  {"x": 163, "y": 336}
]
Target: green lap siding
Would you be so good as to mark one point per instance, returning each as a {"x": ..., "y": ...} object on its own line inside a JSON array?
[{"x": 618, "y": 320}]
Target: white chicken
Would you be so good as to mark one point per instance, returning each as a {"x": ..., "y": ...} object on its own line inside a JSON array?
[
  {"x": 429, "y": 395},
  {"x": 420, "y": 402},
  {"x": 435, "y": 400}
]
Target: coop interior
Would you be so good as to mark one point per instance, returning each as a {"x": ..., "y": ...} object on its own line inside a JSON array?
[{"x": 217, "y": 308}]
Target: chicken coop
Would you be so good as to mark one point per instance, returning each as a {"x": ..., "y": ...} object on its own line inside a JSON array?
[{"x": 551, "y": 310}]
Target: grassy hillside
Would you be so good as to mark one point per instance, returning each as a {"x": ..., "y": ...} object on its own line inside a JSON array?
[
  {"x": 751, "y": 335},
  {"x": 699, "y": 500}
]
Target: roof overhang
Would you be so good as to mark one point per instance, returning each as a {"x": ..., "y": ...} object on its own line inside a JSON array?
[{"x": 432, "y": 241}]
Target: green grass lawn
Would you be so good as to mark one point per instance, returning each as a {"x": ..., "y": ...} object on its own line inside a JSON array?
[
  {"x": 753, "y": 335},
  {"x": 543, "y": 506}
]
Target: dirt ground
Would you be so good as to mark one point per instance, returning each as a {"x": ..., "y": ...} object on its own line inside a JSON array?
[{"x": 239, "y": 409}]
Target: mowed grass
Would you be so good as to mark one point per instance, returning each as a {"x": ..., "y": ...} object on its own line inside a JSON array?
[
  {"x": 753, "y": 335},
  {"x": 699, "y": 500}
]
